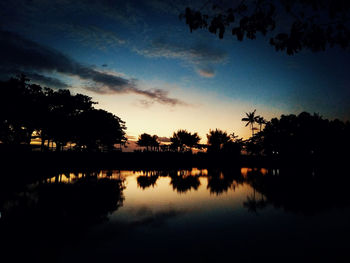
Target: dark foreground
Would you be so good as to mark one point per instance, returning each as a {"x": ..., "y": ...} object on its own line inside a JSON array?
[{"x": 175, "y": 215}]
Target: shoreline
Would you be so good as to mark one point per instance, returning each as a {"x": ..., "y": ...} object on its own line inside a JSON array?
[{"x": 134, "y": 160}]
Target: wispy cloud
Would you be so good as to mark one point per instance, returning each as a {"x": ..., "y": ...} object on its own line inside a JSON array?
[
  {"x": 94, "y": 36},
  {"x": 201, "y": 56},
  {"x": 48, "y": 81},
  {"x": 23, "y": 54},
  {"x": 207, "y": 72}
]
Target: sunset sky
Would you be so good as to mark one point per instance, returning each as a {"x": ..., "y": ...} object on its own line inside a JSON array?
[{"x": 139, "y": 61}]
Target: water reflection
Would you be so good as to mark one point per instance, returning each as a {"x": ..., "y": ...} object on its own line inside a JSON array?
[
  {"x": 86, "y": 200},
  {"x": 96, "y": 193},
  {"x": 105, "y": 209},
  {"x": 305, "y": 191},
  {"x": 220, "y": 181}
]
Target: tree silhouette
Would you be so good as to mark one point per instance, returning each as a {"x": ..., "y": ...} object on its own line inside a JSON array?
[
  {"x": 99, "y": 130},
  {"x": 19, "y": 110},
  {"x": 56, "y": 117},
  {"x": 182, "y": 139},
  {"x": 146, "y": 140},
  {"x": 220, "y": 141},
  {"x": 155, "y": 143},
  {"x": 217, "y": 139},
  {"x": 294, "y": 135},
  {"x": 310, "y": 24},
  {"x": 250, "y": 119},
  {"x": 261, "y": 121}
]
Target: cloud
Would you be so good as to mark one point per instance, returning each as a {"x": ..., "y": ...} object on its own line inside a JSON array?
[
  {"x": 206, "y": 72},
  {"x": 93, "y": 36},
  {"x": 145, "y": 103},
  {"x": 52, "y": 82},
  {"x": 138, "y": 217},
  {"x": 145, "y": 216},
  {"x": 202, "y": 57},
  {"x": 46, "y": 81},
  {"x": 23, "y": 54},
  {"x": 196, "y": 54},
  {"x": 160, "y": 96},
  {"x": 176, "y": 7}
]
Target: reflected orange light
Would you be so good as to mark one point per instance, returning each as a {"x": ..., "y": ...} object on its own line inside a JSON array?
[{"x": 246, "y": 170}]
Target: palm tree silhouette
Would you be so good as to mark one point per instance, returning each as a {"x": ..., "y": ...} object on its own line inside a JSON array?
[
  {"x": 260, "y": 120},
  {"x": 250, "y": 119}
]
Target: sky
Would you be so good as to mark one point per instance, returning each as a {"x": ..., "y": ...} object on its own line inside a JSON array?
[{"x": 138, "y": 60}]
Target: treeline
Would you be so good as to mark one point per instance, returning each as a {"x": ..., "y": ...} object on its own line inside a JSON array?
[
  {"x": 55, "y": 118},
  {"x": 303, "y": 136},
  {"x": 185, "y": 141}
]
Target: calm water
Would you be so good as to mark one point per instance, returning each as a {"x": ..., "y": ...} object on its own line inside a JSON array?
[{"x": 197, "y": 215}]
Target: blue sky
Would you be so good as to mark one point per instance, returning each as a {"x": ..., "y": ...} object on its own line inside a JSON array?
[{"x": 139, "y": 61}]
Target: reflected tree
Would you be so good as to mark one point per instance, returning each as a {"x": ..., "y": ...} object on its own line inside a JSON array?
[
  {"x": 150, "y": 179},
  {"x": 183, "y": 183},
  {"x": 220, "y": 182}
]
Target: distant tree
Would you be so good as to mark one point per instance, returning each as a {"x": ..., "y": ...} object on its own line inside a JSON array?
[
  {"x": 260, "y": 121},
  {"x": 19, "y": 110},
  {"x": 234, "y": 145},
  {"x": 254, "y": 145},
  {"x": 182, "y": 139},
  {"x": 144, "y": 140},
  {"x": 305, "y": 135},
  {"x": 155, "y": 143},
  {"x": 56, "y": 116},
  {"x": 292, "y": 25},
  {"x": 250, "y": 119},
  {"x": 60, "y": 114},
  {"x": 217, "y": 139},
  {"x": 99, "y": 129},
  {"x": 147, "y": 140}
]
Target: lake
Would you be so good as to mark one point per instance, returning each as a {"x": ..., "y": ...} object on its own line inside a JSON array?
[{"x": 193, "y": 215}]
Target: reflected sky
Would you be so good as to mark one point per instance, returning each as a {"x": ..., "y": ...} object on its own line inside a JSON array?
[
  {"x": 196, "y": 215},
  {"x": 163, "y": 197}
]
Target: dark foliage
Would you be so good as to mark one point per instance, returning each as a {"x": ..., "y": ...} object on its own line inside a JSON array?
[
  {"x": 303, "y": 136},
  {"x": 183, "y": 140},
  {"x": 294, "y": 25},
  {"x": 146, "y": 140},
  {"x": 220, "y": 141},
  {"x": 29, "y": 111}
]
